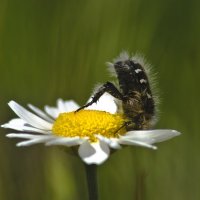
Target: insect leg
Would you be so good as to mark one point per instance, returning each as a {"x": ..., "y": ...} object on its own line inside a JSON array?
[
  {"x": 126, "y": 124},
  {"x": 107, "y": 87}
]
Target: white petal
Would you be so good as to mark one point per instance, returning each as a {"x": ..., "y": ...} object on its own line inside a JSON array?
[
  {"x": 65, "y": 141},
  {"x": 32, "y": 139},
  {"x": 21, "y": 135},
  {"x": 71, "y": 106},
  {"x": 112, "y": 142},
  {"x": 52, "y": 141},
  {"x": 128, "y": 141},
  {"x": 151, "y": 136},
  {"x": 67, "y": 106},
  {"x": 16, "y": 124},
  {"x": 105, "y": 103},
  {"x": 40, "y": 113},
  {"x": 48, "y": 140},
  {"x": 62, "y": 106},
  {"x": 20, "y": 125},
  {"x": 29, "y": 117},
  {"x": 94, "y": 153},
  {"x": 53, "y": 112}
]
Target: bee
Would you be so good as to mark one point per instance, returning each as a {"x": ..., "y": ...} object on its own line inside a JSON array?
[{"x": 134, "y": 91}]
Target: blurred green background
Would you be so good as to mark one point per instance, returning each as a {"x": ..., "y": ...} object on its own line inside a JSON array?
[{"x": 51, "y": 49}]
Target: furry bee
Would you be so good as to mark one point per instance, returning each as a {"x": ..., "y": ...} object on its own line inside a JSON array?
[{"x": 134, "y": 92}]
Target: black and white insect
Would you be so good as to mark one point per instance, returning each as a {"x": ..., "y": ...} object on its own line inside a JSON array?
[{"x": 134, "y": 91}]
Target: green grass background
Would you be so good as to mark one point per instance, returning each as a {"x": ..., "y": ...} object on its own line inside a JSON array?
[{"x": 51, "y": 49}]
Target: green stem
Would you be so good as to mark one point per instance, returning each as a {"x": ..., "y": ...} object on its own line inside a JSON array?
[{"x": 91, "y": 174}]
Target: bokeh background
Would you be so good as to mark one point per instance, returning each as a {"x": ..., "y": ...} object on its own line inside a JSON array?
[{"x": 51, "y": 49}]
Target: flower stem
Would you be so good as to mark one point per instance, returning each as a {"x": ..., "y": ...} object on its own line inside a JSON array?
[{"x": 91, "y": 173}]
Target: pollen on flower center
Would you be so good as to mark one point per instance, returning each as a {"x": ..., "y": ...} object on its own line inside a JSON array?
[{"x": 88, "y": 123}]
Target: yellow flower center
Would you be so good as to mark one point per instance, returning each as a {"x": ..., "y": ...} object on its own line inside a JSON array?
[{"x": 89, "y": 123}]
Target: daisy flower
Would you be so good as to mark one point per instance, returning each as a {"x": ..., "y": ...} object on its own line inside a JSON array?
[{"x": 94, "y": 131}]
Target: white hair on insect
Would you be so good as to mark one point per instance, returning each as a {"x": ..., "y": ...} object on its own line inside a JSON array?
[
  {"x": 152, "y": 78},
  {"x": 123, "y": 56},
  {"x": 111, "y": 69}
]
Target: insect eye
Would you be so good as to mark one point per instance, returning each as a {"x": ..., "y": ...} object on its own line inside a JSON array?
[
  {"x": 122, "y": 66},
  {"x": 126, "y": 67}
]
